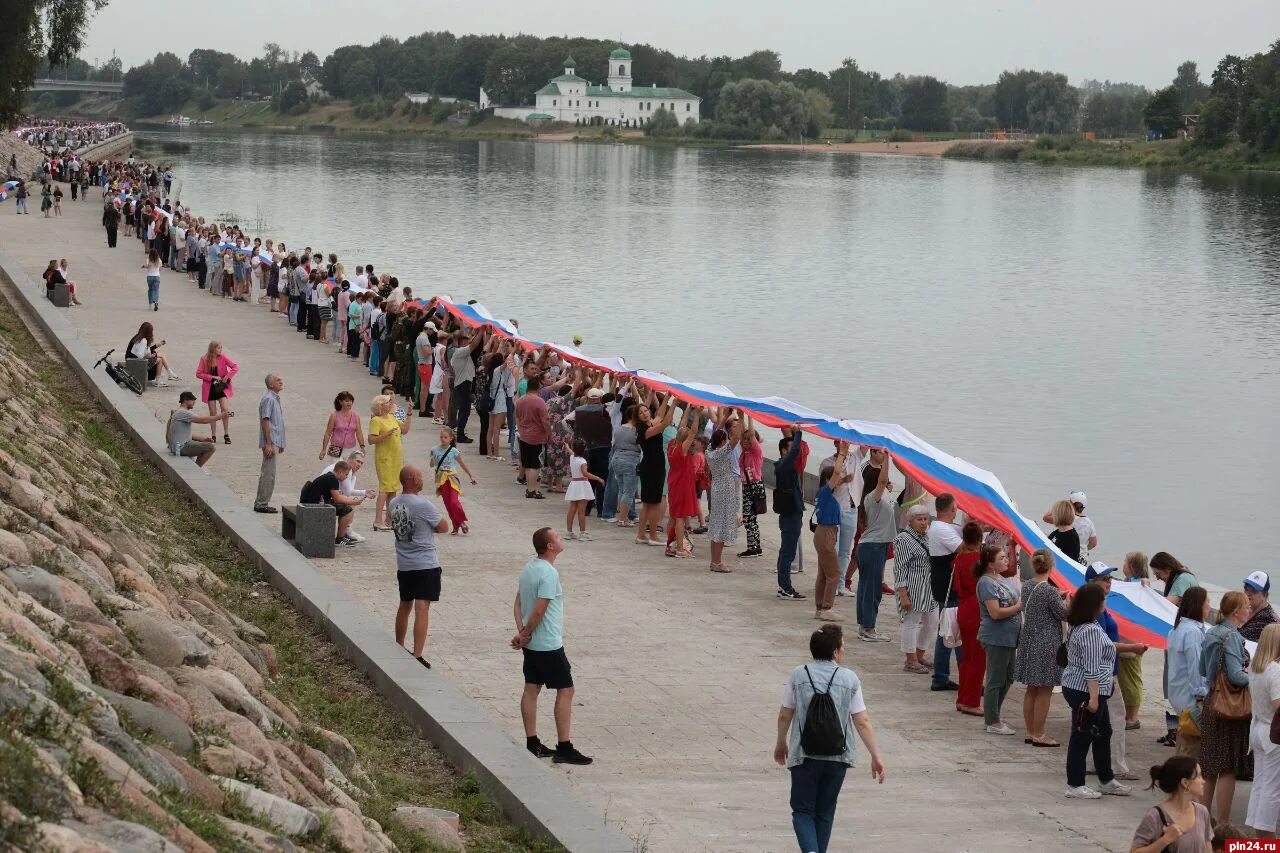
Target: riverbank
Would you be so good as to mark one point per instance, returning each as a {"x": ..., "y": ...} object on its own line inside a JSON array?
[
  {"x": 906, "y": 149},
  {"x": 679, "y": 727},
  {"x": 1071, "y": 150}
]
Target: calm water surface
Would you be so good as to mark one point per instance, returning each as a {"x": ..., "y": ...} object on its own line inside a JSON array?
[{"x": 1110, "y": 330}]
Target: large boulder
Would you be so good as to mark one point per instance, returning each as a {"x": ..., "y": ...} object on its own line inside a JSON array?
[
  {"x": 432, "y": 823},
  {"x": 292, "y": 819},
  {"x": 163, "y": 641},
  {"x": 56, "y": 838},
  {"x": 231, "y": 692},
  {"x": 160, "y": 724},
  {"x": 198, "y": 784},
  {"x": 230, "y": 760},
  {"x": 107, "y": 668},
  {"x": 261, "y": 839},
  {"x": 13, "y": 551},
  {"x": 78, "y": 605},
  {"x": 121, "y": 835},
  {"x": 31, "y": 499},
  {"x": 38, "y": 584}
]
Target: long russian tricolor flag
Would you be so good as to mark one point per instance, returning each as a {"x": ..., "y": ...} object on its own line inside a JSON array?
[{"x": 1144, "y": 616}]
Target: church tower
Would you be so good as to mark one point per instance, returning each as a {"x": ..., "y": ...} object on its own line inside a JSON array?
[{"x": 620, "y": 70}]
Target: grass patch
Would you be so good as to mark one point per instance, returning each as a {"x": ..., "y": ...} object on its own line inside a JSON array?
[
  {"x": 323, "y": 686},
  {"x": 1072, "y": 150}
]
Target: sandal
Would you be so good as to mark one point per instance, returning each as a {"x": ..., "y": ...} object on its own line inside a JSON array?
[
  {"x": 226, "y": 439},
  {"x": 720, "y": 568},
  {"x": 535, "y": 495},
  {"x": 970, "y": 711},
  {"x": 1044, "y": 743}
]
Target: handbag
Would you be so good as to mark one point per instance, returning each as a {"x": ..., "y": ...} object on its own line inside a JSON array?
[
  {"x": 1187, "y": 723},
  {"x": 1227, "y": 701},
  {"x": 949, "y": 628},
  {"x": 1061, "y": 657},
  {"x": 1275, "y": 728},
  {"x": 217, "y": 389}
]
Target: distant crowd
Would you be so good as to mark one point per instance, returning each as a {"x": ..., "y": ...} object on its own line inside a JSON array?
[
  {"x": 64, "y": 134},
  {"x": 676, "y": 477}
]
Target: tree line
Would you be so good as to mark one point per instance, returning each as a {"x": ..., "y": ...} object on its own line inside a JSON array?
[{"x": 749, "y": 96}]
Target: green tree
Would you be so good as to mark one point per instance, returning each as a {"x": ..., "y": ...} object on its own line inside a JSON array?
[
  {"x": 1053, "y": 104},
  {"x": 1114, "y": 113},
  {"x": 1010, "y": 97},
  {"x": 1190, "y": 90},
  {"x": 158, "y": 85},
  {"x": 292, "y": 99},
  {"x": 358, "y": 79},
  {"x": 1231, "y": 83},
  {"x": 924, "y": 104},
  {"x": 817, "y": 107},
  {"x": 1163, "y": 112},
  {"x": 663, "y": 123},
  {"x": 756, "y": 106},
  {"x": 52, "y": 30},
  {"x": 848, "y": 90}
]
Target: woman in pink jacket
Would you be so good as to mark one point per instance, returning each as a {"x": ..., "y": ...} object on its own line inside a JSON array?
[{"x": 215, "y": 371}]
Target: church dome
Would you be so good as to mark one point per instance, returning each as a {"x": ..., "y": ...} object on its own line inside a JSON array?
[{"x": 620, "y": 53}]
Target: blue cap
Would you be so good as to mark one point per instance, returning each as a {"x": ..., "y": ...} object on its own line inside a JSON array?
[{"x": 1099, "y": 570}]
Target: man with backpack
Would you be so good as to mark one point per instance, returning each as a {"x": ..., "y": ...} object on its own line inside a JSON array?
[{"x": 822, "y": 705}]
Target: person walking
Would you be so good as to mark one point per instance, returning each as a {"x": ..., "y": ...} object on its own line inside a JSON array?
[
  {"x": 271, "y": 441},
  {"x": 152, "y": 266},
  {"x": 1000, "y": 612},
  {"x": 816, "y": 745},
  {"x": 1044, "y": 607},
  {"x": 215, "y": 372},
  {"x": 539, "y": 617},
  {"x": 1086, "y": 684},
  {"x": 111, "y": 221},
  {"x": 1180, "y": 824},
  {"x": 916, "y": 607},
  {"x": 1224, "y": 743},
  {"x": 447, "y": 459},
  {"x": 1264, "y": 692},
  {"x": 415, "y": 521}
]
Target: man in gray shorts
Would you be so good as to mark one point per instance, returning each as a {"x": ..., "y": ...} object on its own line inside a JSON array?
[{"x": 178, "y": 431}]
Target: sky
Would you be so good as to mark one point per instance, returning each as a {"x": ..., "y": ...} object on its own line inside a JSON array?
[{"x": 964, "y": 42}]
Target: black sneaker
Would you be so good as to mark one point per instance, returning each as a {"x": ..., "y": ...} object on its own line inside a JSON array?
[
  {"x": 751, "y": 552},
  {"x": 790, "y": 594},
  {"x": 565, "y": 753},
  {"x": 539, "y": 749},
  {"x": 423, "y": 661},
  {"x": 464, "y": 440}
]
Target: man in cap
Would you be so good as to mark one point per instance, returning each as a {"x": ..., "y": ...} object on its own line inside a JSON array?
[
  {"x": 1101, "y": 574},
  {"x": 463, "y": 355},
  {"x": 1257, "y": 588},
  {"x": 177, "y": 433}
]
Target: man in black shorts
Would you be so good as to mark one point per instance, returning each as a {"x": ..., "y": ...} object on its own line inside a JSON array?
[
  {"x": 416, "y": 521},
  {"x": 539, "y": 614}
]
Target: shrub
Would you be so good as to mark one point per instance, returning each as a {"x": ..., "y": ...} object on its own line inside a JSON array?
[{"x": 899, "y": 135}]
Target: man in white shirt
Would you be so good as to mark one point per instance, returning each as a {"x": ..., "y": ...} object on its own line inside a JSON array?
[
  {"x": 355, "y": 461},
  {"x": 361, "y": 281},
  {"x": 1084, "y": 525},
  {"x": 943, "y": 538},
  {"x": 847, "y": 495}
]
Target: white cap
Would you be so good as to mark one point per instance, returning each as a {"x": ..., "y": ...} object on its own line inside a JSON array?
[
  {"x": 595, "y": 393},
  {"x": 1079, "y": 498},
  {"x": 1260, "y": 581}
]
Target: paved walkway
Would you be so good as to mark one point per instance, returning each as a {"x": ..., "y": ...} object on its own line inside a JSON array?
[{"x": 679, "y": 670}]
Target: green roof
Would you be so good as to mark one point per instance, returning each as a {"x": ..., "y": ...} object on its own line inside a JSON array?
[
  {"x": 569, "y": 63},
  {"x": 646, "y": 92},
  {"x": 620, "y": 53},
  {"x": 568, "y": 78},
  {"x": 540, "y": 116},
  {"x": 549, "y": 89}
]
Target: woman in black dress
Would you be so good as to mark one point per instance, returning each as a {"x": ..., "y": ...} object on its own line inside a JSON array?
[{"x": 652, "y": 469}]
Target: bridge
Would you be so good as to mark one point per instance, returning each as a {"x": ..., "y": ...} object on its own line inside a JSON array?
[{"x": 50, "y": 85}]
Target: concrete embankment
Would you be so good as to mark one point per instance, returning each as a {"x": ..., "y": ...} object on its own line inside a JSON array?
[{"x": 678, "y": 670}]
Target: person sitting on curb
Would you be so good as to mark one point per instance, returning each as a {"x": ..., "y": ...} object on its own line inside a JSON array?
[
  {"x": 177, "y": 432},
  {"x": 327, "y": 489}
]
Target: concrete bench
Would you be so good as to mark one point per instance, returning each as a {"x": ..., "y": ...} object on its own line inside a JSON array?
[
  {"x": 60, "y": 296},
  {"x": 137, "y": 368},
  {"x": 310, "y": 527}
]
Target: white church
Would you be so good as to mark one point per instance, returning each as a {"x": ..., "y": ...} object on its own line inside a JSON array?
[{"x": 576, "y": 100}]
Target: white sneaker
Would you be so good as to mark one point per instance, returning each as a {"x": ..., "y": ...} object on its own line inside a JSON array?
[
  {"x": 1115, "y": 789},
  {"x": 356, "y": 536},
  {"x": 1084, "y": 792},
  {"x": 999, "y": 729},
  {"x": 584, "y": 536},
  {"x": 841, "y": 591},
  {"x": 571, "y": 535},
  {"x": 613, "y": 520}
]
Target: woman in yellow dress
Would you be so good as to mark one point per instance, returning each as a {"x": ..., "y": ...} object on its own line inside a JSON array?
[{"x": 385, "y": 430}]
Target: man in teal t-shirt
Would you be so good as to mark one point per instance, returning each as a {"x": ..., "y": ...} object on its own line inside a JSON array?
[{"x": 539, "y": 615}]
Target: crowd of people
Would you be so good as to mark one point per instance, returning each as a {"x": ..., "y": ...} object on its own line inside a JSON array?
[
  {"x": 688, "y": 479},
  {"x": 64, "y": 134}
]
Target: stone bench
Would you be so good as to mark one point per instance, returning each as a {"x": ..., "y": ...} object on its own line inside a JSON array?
[
  {"x": 137, "y": 368},
  {"x": 310, "y": 527},
  {"x": 60, "y": 296}
]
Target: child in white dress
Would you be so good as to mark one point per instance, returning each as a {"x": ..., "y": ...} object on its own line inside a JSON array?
[{"x": 579, "y": 493}]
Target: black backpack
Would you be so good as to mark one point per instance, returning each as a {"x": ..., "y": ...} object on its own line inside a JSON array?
[{"x": 823, "y": 730}]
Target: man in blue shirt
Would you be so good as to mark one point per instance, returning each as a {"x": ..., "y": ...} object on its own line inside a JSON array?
[
  {"x": 1100, "y": 573},
  {"x": 539, "y": 615}
]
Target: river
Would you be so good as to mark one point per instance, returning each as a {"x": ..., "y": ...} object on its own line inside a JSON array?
[{"x": 1110, "y": 330}]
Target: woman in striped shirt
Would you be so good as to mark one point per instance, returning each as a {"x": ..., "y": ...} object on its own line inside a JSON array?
[
  {"x": 916, "y": 607},
  {"x": 1086, "y": 684}
]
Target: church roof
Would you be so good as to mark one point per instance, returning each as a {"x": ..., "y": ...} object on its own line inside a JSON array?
[
  {"x": 568, "y": 78},
  {"x": 549, "y": 89},
  {"x": 543, "y": 116},
  {"x": 645, "y": 92},
  {"x": 620, "y": 53},
  {"x": 569, "y": 63}
]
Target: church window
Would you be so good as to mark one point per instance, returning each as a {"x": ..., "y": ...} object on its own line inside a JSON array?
[
  {"x": 622, "y": 71},
  {"x": 687, "y": 107}
]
